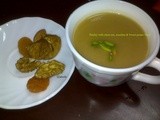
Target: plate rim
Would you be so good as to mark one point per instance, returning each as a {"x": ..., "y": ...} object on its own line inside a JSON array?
[{"x": 52, "y": 94}]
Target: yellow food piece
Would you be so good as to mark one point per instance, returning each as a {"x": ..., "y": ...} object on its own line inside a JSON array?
[
  {"x": 39, "y": 35},
  {"x": 27, "y": 64},
  {"x": 36, "y": 85},
  {"x": 23, "y": 43},
  {"x": 50, "y": 69},
  {"x": 40, "y": 50},
  {"x": 55, "y": 41},
  {"x": 44, "y": 47}
]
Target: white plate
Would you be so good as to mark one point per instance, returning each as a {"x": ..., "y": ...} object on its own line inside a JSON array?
[{"x": 13, "y": 91}]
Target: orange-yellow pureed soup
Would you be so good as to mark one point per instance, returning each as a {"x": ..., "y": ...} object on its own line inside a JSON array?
[{"x": 111, "y": 40}]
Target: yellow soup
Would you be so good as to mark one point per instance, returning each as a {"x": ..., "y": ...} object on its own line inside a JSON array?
[{"x": 111, "y": 40}]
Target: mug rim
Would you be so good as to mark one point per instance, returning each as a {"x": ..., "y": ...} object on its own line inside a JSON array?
[{"x": 109, "y": 69}]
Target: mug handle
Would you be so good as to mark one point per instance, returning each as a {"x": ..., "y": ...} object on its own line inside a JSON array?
[{"x": 149, "y": 78}]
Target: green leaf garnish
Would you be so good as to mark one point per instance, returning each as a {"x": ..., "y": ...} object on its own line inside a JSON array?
[
  {"x": 109, "y": 43},
  {"x": 106, "y": 46},
  {"x": 95, "y": 43}
]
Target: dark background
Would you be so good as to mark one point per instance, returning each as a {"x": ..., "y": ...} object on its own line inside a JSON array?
[{"x": 80, "y": 100}]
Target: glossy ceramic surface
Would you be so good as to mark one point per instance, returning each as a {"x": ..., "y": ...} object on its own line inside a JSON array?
[{"x": 13, "y": 90}]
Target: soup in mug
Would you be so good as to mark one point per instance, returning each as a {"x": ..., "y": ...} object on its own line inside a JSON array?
[{"x": 111, "y": 40}]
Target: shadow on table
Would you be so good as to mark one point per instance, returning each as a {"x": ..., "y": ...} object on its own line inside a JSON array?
[
  {"x": 113, "y": 96},
  {"x": 94, "y": 98}
]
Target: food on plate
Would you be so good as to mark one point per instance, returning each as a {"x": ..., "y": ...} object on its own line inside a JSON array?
[
  {"x": 44, "y": 46},
  {"x": 55, "y": 41},
  {"x": 36, "y": 85},
  {"x": 40, "y": 49},
  {"x": 23, "y": 43},
  {"x": 38, "y": 55},
  {"x": 50, "y": 69},
  {"x": 39, "y": 35},
  {"x": 27, "y": 64}
]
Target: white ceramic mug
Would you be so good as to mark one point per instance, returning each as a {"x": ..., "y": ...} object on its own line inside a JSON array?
[{"x": 104, "y": 76}]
